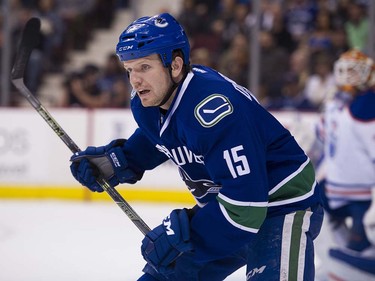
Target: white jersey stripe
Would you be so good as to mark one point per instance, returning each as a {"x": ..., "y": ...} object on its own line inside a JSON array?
[
  {"x": 242, "y": 203},
  {"x": 178, "y": 100},
  {"x": 287, "y": 234},
  {"x": 302, "y": 249},
  {"x": 285, "y": 247}
]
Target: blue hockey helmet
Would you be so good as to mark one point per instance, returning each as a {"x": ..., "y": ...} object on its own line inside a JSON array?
[{"x": 160, "y": 34}]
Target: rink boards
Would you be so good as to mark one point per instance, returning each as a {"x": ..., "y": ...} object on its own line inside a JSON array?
[{"x": 34, "y": 162}]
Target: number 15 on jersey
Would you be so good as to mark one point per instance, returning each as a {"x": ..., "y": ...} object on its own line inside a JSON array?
[{"x": 237, "y": 163}]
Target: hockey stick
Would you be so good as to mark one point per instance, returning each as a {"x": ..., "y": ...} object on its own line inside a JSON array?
[{"x": 30, "y": 39}]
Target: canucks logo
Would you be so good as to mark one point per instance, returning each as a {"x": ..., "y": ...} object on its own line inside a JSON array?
[
  {"x": 212, "y": 109},
  {"x": 160, "y": 22}
]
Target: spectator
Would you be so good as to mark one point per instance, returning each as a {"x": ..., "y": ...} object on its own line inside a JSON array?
[
  {"x": 283, "y": 38},
  {"x": 64, "y": 27},
  {"x": 102, "y": 13},
  {"x": 320, "y": 39},
  {"x": 339, "y": 43},
  {"x": 274, "y": 65},
  {"x": 82, "y": 89},
  {"x": 202, "y": 56},
  {"x": 75, "y": 13},
  {"x": 113, "y": 82},
  {"x": 199, "y": 16},
  {"x": 357, "y": 26},
  {"x": 234, "y": 62},
  {"x": 299, "y": 64},
  {"x": 299, "y": 18},
  {"x": 320, "y": 85},
  {"x": 52, "y": 30},
  {"x": 291, "y": 98},
  {"x": 189, "y": 18},
  {"x": 241, "y": 23},
  {"x": 226, "y": 11},
  {"x": 224, "y": 17}
]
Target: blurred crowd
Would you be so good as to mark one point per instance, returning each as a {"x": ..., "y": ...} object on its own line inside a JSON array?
[
  {"x": 66, "y": 25},
  {"x": 299, "y": 41},
  {"x": 94, "y": 87}
]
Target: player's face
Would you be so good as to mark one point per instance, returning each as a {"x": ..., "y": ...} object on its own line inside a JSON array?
[{"x": 150, "y": 79}]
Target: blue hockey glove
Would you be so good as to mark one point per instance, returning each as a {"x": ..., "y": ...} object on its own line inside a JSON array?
[
  {"x": 108, "y": 161},
  {"x": 162, "y": 245}
]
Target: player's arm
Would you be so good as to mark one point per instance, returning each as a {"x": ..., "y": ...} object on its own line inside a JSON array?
[{"x": 120, "y": 161}]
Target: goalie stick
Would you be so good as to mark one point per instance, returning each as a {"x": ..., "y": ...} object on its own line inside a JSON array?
[{"x": 30, "y": 39}]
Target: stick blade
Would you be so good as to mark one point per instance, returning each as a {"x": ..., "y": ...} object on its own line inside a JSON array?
[{"x": 30, "y": 39}]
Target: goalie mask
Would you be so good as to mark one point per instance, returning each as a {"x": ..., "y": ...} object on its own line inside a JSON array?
[
  {"x": 160, "y": 34},
  {"x": 354, "y": 70}
]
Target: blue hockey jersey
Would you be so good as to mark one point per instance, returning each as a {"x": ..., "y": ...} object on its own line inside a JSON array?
[{"x": 237, "y": 160}]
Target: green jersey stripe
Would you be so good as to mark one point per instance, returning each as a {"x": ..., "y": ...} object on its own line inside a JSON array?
[
  {"x": 297, "y": 187},
  {"x": 248, "y": 218}
]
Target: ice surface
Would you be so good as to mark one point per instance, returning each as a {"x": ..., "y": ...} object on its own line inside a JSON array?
[{"x": 68, "y": 240}]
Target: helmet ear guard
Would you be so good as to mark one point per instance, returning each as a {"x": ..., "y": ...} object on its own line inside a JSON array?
[
  {"x": 160, "y": 34},
  {"x": 354, "y": 70}
]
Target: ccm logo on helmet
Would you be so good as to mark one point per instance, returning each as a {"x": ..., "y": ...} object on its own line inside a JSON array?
[{"x": 125, "y": 48}]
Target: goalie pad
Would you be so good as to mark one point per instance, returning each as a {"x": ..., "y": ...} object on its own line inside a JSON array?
[
  {"x": 347, "y": 267},
  {"x": 340, "y": 232}
]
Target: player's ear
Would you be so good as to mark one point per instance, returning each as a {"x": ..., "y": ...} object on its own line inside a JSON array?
[{"x": 177, "y": 66}]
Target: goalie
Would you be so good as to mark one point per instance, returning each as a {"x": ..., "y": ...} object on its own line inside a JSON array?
[{"x": 348, "y": 135}]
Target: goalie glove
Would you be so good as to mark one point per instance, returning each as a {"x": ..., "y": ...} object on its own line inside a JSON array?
[{"x": 108, "y": 161}]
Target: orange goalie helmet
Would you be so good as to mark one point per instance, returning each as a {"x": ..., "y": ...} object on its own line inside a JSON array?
[{"x": 354, "y": 70}]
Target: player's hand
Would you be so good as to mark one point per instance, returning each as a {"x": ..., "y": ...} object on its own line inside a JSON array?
[
  {"x": 108, "y": 161},
  {"x": 165, "y": 243}
]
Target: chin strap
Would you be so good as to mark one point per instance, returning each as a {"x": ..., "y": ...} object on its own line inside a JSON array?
[{"x": 173, "y": 87}]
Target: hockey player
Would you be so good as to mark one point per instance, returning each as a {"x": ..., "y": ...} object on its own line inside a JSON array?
[
  {"x": 349, "y": 168},
  {"x": 255, "y": 188}
]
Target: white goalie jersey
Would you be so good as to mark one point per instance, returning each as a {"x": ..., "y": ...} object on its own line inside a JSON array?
[{"x": 349, "y": 149}]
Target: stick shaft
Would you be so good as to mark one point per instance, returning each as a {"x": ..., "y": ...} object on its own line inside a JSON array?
[
  {"x": 30, "y": 39},
  {"x": 113, "y": 193}
]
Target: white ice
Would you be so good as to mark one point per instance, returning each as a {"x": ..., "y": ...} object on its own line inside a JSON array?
[{"x": 69, "y": 240}]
